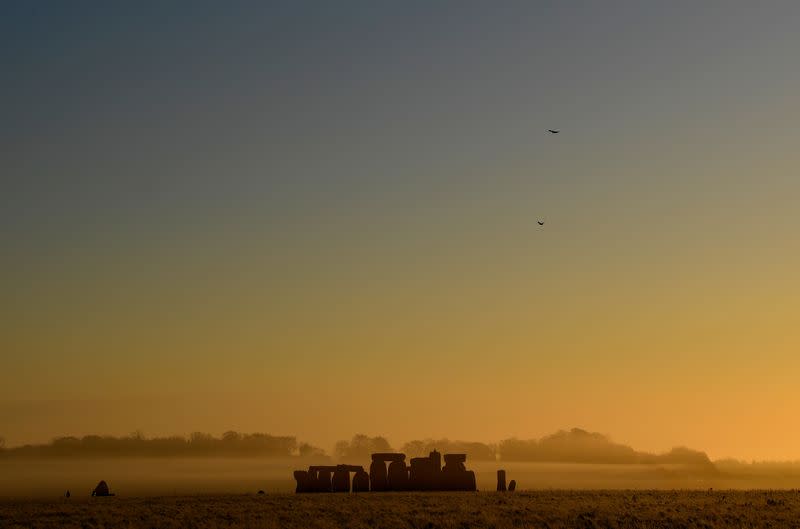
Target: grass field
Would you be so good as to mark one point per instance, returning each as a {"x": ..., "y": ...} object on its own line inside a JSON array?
[{"x": 545, "y": 509}]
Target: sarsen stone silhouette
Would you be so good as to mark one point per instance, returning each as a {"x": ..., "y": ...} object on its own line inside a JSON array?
[{"x": 423, "y": 473}]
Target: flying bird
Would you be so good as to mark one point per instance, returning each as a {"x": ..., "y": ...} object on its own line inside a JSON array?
[
  {"x": 551, "y": 131},
  {"x": 541, "y": 222}
]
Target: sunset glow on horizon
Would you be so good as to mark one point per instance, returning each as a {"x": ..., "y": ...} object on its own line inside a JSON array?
[{"x": 323, "y": 221}]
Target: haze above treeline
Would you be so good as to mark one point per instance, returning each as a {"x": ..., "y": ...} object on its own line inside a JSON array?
[{"x": 573, "y": 446}]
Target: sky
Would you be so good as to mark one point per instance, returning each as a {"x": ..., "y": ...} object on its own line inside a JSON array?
[{"x": 318, "y": 219}]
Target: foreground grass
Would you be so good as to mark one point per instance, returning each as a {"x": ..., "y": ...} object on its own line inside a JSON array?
[{"x": 546, "y": 509}]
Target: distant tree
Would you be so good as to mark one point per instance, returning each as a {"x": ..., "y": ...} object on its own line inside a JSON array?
[
  {"x": 201, "y": 443},
  {"x": 519, "y": 449},
  {"x": 416, "y": 448},
  {"x": 198, "y": 444},
  {"x": 686, "y": 456},
  {"x": 200, "y": 438},
  {"x": 231, "y": 437},
  {"x": 341, "y": 448},
  {"x": 580, "y": 446},
  {"x": 475, "y": 451},
  {"x": 360, "y": 447},
  {"x": 307, "y": 450},
  {"x": 93, "y": 441},
  {"x": 137, "y": 436},
  {"x": 572, "y": 446}
]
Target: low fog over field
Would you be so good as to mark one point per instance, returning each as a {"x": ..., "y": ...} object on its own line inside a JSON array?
[{"x": 245, "y": 463}]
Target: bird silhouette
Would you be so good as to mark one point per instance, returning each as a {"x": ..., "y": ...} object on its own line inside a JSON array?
[
  {"x": 541, "y": 222},
  {"x": 551, "y": 131}
]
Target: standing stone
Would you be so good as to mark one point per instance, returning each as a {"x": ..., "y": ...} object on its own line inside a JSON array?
[
  {"x": 398, "y": 476},
  {"x": 377, "y": 475},
  {"x": 501, "y": 481},
  {"x": 454, "y": 474},
  {"x": 512, "y": 485},
  {"x": 324, "y": 480},
  {"x": 302, "y": 478},
  {"x": 341, "y": 480},
  {"x": 101, "y": 489},
  {"x": 361, "y": 481}
]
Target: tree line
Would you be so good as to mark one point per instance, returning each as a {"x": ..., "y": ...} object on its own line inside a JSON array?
[
  {"x": 197, "y": 444},
  {"x": 565, "y": 446}
]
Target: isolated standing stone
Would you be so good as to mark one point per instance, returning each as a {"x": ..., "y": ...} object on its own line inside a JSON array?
[
  {"x": 101, "y": 489},
  {"x": 501, "y": 481}
]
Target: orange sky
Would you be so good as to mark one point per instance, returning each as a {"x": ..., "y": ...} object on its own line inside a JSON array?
[{"x": 320, "y": 229}]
